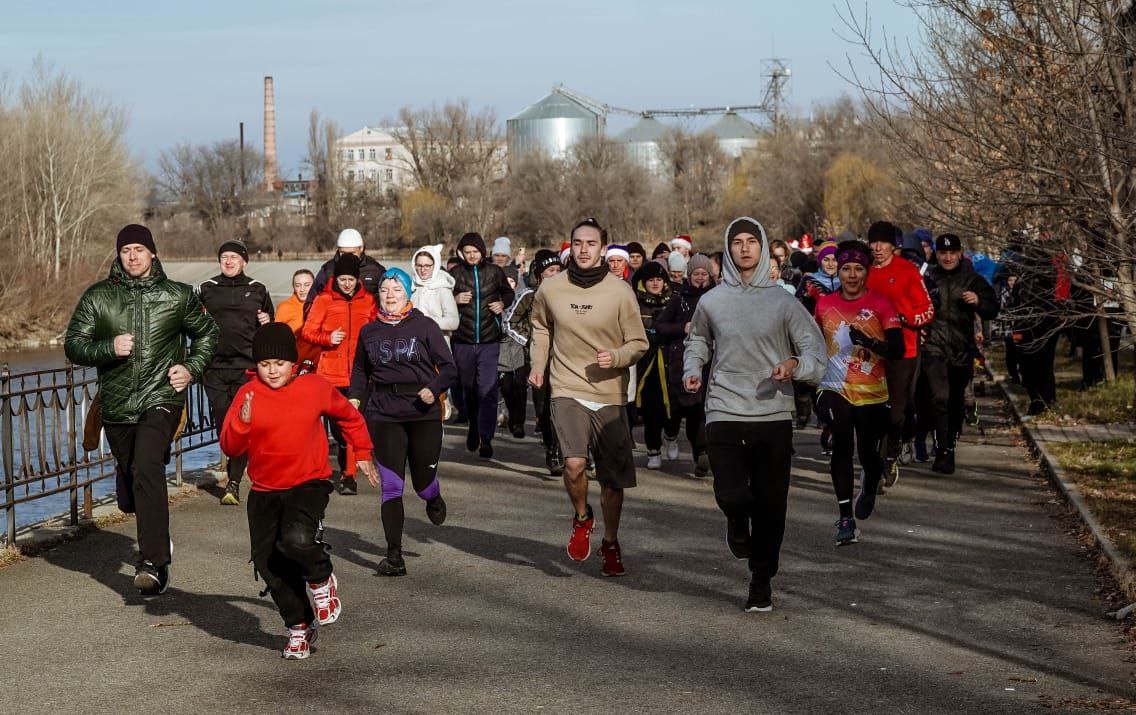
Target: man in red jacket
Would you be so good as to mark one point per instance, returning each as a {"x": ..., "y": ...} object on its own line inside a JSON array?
[
  {"x": 898, "y": 281},
  {"x": 286, "y": 445}
]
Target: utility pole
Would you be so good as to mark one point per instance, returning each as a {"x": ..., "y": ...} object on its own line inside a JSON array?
[{"x": 242, "y": 157}]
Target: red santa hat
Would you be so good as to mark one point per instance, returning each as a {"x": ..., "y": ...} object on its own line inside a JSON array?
[
  {"x": 565, "y": 251},
  {"x": 682, "y": 241},
  {"x": 806, "y": 244}
]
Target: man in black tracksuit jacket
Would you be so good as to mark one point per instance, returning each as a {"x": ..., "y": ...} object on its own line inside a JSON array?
[
  {"x": 482, "y": 294},
  {"x": 240, "y": 305},
  {"x": 949, "y": 347}
]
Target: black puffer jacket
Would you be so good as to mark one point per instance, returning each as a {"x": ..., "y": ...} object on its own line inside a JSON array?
[
  {"x": 476, "y": 323},
  {"x": 950, "y": 336},
  {"x": 233, "y": 303},
  {"x": 160, "y": 314},
  {"x": 671, "y": 328}
]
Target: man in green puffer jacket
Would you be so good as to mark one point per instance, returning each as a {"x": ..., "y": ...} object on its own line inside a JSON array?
[{"x": 133, "y": 327}]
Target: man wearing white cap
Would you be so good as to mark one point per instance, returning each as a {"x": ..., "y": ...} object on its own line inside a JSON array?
[
  {"x": 370, "y": 270},
  {"x": 683, "y": 245}
]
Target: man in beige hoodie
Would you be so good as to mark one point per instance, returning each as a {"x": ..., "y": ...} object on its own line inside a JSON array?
[{"x": 588, "y": 331}]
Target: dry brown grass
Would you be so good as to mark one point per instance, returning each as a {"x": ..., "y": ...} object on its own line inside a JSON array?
[{"x": 1105, "y": 472}]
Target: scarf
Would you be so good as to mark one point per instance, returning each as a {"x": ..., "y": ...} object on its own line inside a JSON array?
[
  {"x": 395, "y": 318},
  {"x": 586, "y": 277}
]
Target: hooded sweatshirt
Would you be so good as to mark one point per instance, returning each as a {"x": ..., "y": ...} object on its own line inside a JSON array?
[
  {"x": 743, "y": 331},
  {"x": 434, "y": 297}
]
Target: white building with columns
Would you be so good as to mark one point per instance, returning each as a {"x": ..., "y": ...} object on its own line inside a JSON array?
[{"x": 374, "y": 156}]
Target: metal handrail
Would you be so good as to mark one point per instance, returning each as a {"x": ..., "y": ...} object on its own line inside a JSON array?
[{"x": 42, "y": 413}]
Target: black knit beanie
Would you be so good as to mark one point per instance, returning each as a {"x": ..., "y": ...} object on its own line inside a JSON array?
[
  {"x": 274, "y": 341},
  {"x": 544, "y": 258},
  {"x": 472, "y": 239},
  {"x": 133, "y": 233},
  {"x": 883, "y": 232},
  {"x": 347, "y": 264},
  {"x": 743, "y": 225},
  {"x": 237, "y": 247},
  {"x": 636, "y": 247}
]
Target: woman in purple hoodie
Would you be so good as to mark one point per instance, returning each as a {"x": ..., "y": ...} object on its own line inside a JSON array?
[{"x": 402, "y": 366}]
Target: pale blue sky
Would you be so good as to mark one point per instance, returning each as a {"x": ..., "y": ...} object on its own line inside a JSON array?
[{"x": 190, "y": 71}]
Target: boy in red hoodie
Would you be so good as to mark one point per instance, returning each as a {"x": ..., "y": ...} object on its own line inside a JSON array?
[{"x": 276, "y": 419}]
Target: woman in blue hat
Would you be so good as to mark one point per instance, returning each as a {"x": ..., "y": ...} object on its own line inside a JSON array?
[{"x": 402, "y": 366}]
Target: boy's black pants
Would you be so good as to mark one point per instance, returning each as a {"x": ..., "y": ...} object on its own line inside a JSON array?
[{"x": 283, "y": 529}]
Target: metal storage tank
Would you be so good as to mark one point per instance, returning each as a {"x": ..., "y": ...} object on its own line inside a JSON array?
[
  {"x": 551, "y": 126},
  {"x": 734, "y": 134},
  {"x": 642, "y": 142}
]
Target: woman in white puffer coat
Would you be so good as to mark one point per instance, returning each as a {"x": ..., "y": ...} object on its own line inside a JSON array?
[{"x": 434, "y": 289}]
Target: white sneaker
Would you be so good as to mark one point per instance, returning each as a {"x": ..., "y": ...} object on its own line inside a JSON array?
[
  {"x": 672, "y": 448},
  {"x": 654, "y": 460},
  {"x": 300, "y": 639}
]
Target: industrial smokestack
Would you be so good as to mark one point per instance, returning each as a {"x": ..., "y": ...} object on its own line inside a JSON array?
[{"x": 270, "y": 169}]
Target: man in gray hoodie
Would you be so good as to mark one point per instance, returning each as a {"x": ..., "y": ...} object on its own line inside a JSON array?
[{"x": 757, "y": 339}]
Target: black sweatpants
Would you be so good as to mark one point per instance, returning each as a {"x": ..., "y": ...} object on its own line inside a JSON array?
[
  {"x": 515, "y": 390},
  {"x": 1035, "y": 361},
  {"x": 398, "y": 444},
  {"x": 695, "y": 416},
  {"x": 221, "y": 385},
  {"x": 656, "y": 423},
  {"x": 345, "y": 456},
  {"x": 284, "y": 531},
  {"x": 854, "y": 427},
  {"x": 140, "y": 450},
  {"x": 901, "y": 376},
  {"x": 751, "y": 462},
  {"x": 542, "y": 405},
  {"x": 948, "y": 385},
  {"x": 804, "y": 397}
]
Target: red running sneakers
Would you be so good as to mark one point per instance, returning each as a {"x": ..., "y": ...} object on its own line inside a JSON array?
[
  {"x": 326, "y": 598},
  {"x": 300, "y": 639},
  {"x": 580, "y": 544},
  {"x": 612, "y": 559}
]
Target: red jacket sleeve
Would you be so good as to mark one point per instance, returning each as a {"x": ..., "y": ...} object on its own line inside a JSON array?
[
  {"x": 919, "y": 311},
  {"x": 234, "y": 432},
  {"x": 351, "y": 421},
  {"x": 313, "y": 330}
]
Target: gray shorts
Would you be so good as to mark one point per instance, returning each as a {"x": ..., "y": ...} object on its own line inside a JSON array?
[{"x": 606, "y": 431}]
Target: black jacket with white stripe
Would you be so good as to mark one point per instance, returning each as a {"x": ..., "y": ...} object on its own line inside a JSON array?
[{"x": 233, "y": 303}]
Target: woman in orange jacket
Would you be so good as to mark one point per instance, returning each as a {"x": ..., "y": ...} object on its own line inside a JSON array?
[
  {"x": 334, "y": 322},
  {"x": 291, "y": 312}
]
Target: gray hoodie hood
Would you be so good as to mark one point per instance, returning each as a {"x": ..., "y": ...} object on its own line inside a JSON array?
[{"x": 760, "y": 278}]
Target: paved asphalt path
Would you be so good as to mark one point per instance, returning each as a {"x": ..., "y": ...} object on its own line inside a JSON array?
[{"x": 965, "y": 594}]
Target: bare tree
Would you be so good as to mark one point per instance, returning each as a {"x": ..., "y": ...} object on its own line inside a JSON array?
[
  {"x": 451, "y": 150},
  {"x": 207, "y": 179},
  {"x": 697, "y": 171}
]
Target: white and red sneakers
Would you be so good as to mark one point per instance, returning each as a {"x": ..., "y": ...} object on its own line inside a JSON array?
[
  {"x": 325, "y": 596},
  {"x": 300, "y": 639}
]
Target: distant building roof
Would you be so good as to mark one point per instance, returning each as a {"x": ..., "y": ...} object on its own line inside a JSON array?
[
  {"x": 555, "y": 106},
  {"x": 731, "y": 126},
  {"x": 647, "y": 129}
]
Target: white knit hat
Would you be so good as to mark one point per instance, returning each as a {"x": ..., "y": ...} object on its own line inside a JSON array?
[
  {"x": 676, "y": 262},
  {"x": 502, "y": 246},
  {"x": 349, "y": 238}
]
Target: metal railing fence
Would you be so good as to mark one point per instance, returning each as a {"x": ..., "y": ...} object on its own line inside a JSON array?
[{"x": 42, "y": 414}]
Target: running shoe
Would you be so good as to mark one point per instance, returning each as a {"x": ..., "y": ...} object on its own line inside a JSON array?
[
  {"x": 612, "y": 558},
  {"x": 737, "y": 536},
  {"x": 580, "y": 543},
  {"x": 472, "y": 438},
  {"x": 654, "y": 459},
  {"x": 802, "y": 422},
  {"x": 671, "y": 445},
  {"x": 151, "y": 580},
  {"x": 921, "y": 454},
  {"x": 702, "y": 466},
  {"x": 300, "y": 639},
  {"x": 906, "y": 453},
  {"x": 347, "y": 486},
  {"x": 436, "y": 510},
  {"x": 944, "y": 461},
  {"x": 485, "y": 451},
  {"x": 865, "y": 503},
  {"x": 891, "y": 473},
  {"x": 846, "y": 531},
  {"x": 760, "y": 598},
  {"x": 232, "y": 495},
  {"x": 325, "y": 596},
  {"x": 518, "y": 431},
  {"x": 392, "y": 565},
  {"x": 971, "y": 412}
]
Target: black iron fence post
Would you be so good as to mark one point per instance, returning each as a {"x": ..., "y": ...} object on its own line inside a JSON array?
[{"x": 6, "y": 448}]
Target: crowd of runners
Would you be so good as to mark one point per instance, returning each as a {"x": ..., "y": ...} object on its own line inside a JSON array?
[{"x": 875, "y": 339}]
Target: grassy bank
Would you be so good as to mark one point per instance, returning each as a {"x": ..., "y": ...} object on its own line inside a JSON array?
[{"x": 1105, "y": 472}]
